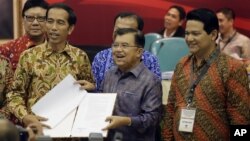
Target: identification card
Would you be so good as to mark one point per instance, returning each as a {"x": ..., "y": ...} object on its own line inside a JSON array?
[{"x": 187, "y": 119}]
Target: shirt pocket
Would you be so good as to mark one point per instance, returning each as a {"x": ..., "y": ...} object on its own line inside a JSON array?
[{"x": 129, "y": 102}]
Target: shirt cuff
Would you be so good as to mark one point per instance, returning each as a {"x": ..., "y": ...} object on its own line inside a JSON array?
[
  {"x": 135, "y": 121},
  {"x": 20, "y": 114}
]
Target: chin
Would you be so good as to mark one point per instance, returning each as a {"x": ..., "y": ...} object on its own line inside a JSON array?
[
  {"x": 119, "y": 64},
  {"x": 36, "y": 34},
  {"x": 53, "y": 41},
  {"x": 193, "y": 51}
]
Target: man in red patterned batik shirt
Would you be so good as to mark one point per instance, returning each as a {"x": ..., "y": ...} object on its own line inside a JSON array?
[{"x": 33, "y": 13}]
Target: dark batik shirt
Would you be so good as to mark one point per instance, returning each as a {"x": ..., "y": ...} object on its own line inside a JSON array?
[
  {"x": 139, "y": 96},
  {"x": 221, "y": 98}
]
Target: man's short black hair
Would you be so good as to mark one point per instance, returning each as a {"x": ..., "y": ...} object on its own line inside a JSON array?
[
  {"x": 72, "y": 16},
  {"x": 228, "y": 12},
  {"x": 181, "y": 10},
  {"x": 34, "y": 3},
  {"x": 138, "y": 35},
  {"x": 140, "y": 22},
  {"x": 206, "y": 16}
]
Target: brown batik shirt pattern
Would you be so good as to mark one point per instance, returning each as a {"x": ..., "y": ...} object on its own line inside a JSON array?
[
  {"x": 221, "y": 98},
  {"x": 39, "y": 70}
]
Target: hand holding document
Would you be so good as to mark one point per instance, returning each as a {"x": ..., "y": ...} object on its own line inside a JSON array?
[
  {"x": 72, "y": 112},
  {"x": 91, "y": 114},
  {"x": 60, "y": 101}
]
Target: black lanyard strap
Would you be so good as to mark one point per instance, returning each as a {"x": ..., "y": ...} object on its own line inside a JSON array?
[
  {"x": 228, "y": 41},
  {"x": 203, "y": 71}
]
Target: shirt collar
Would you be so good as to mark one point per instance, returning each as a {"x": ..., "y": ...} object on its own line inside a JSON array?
[
  {"x": 50, "y": 51},
  {"x": 205, "y": 60},
  {"x": 228, "y": 39},
  {"x": 135, "y": 71},
  {"x": 165, "y": 34}
]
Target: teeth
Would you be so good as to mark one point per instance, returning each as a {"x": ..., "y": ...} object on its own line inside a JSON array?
[
  {"x": 119, "y": 56},
  {"x": 53, "y": 35}
]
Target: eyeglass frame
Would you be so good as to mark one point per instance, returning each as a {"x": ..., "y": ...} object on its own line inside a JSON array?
[
  {"x": 33, "y": 18},
  {"x": 122, "y": 45}
]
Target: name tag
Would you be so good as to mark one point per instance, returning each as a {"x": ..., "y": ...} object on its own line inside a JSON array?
[{"x": 187, "y": 120}]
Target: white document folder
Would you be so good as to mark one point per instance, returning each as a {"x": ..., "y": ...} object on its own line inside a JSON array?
[
  {"x": 72, "y": 112},
  {"x": 91, "y": 114},
  {"x": 60, "y": 101}
]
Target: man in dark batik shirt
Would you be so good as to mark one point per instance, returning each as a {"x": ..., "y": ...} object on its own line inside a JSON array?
[{"x": 208, "y": 87}]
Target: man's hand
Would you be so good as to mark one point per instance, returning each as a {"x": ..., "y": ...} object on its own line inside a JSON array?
[
  {"x": 34, "y": 130},
  {"x": 86, "y": 85},
  {"x": 33, "y": 119},
  {"x": 117, "y": 121}
]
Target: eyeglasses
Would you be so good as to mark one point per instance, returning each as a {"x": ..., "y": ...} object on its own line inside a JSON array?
[
  {"x": 32, "y": 18},
  {"x": 122, "y": 45}
]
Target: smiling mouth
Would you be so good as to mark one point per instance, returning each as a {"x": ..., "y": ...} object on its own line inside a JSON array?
[
  {"x": 53, "y": 35},
  {"x": 119, "y": 57}
]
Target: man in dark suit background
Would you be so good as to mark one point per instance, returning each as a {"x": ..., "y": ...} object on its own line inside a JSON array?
[{"x": 173, "y": 21}]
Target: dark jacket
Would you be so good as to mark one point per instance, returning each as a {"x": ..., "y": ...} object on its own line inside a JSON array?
[{"x": 180, "y": 32}]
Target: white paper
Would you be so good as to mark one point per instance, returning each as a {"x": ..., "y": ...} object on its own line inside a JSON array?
[
  {"x": 60, "y": 101},
  {"x": 92, "y": 113},
  {"x": 63, "y": 129}
]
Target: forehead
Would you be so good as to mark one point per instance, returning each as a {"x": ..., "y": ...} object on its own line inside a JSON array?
[
  {"x": 36, "y": 10},
  {"x": 220, "y": 15},
  {"x": 193, "y": 25},
  {"x": 174, "y": 11},
  {"x": 58, "y": 13},
  {"x": 128, "y": 22},
  {"x": 126, "y": 38}
]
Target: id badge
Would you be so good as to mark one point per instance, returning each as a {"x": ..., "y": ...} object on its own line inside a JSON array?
[{"x": 187, "y": 119}]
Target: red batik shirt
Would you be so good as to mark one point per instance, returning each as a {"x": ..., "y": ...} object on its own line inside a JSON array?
[{"x": 14, "y": 48}]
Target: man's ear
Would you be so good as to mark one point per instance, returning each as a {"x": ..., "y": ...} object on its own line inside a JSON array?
[
  {"x": 214, "y": 34},
  {"x": 181, "y": 22},
  {"x": 231, "y": 22},
  {"x": 71, "y": 28},
  {"x": 140, "y": 51}
]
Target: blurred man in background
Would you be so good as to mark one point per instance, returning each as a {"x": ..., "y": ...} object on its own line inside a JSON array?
[
  {"x": 232, "y": 42},
  {"x": 173, "y": 21}
]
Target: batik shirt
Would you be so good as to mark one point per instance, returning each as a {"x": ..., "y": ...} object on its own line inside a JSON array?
[
  {"x": 6, "y": 74},
  {"x": 13, "y": 49},
  {"x": 221, "y": 98},
  {"x": 103, "y": 61},
  {"x": 139, "y": 96},
  {"x": 39, "y": 70}
]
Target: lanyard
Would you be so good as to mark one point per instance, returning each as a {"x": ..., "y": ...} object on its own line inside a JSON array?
[
  {"x": 229, "y": 40},
  {"x": 203, "y": 71}
]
